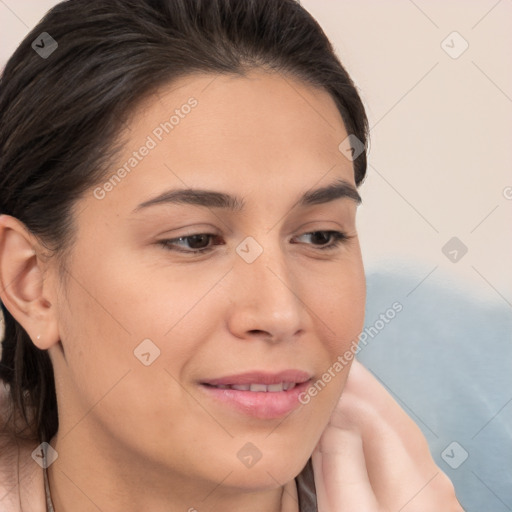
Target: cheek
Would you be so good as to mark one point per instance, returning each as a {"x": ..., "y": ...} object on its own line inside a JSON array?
[
  {"x": 104, "y": 317},
  {"x": 342, "y": 298},
  {"x": 341, "y": 320},
  {"x": 128, "y": 337},
  {"x": 95, "y": 345}
]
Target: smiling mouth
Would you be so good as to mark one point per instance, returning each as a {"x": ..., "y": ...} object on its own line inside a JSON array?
[
  {"x": 262, "y": 388},
  {"x": 263, "y": 401}
]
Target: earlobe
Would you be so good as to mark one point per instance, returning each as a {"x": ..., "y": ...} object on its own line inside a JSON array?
[{"x": 21, "y": 283}]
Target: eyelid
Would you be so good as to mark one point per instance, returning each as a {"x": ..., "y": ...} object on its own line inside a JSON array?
[{"x": 340, "y": 237}]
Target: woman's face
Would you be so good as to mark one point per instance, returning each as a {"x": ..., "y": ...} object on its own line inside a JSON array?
[{"x": 144, "y": 324}]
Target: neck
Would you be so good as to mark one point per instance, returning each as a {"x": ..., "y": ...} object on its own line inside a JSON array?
[{"x": 84, "y": 477}]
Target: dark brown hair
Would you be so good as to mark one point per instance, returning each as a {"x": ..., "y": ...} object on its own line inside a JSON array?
[{"x": 61, "y": 117}]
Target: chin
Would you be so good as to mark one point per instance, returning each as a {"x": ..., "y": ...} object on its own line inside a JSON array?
[
  {"x": 266, "y": 474},
  {"x": 258, "y": 481}
]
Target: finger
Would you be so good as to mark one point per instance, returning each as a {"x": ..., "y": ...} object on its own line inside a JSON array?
[
  {"x": 400, "y": 467},
  {"x": 341, "y": 477}
]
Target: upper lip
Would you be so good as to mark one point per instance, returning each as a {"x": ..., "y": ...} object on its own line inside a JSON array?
[{"x": 260, "y": 377}]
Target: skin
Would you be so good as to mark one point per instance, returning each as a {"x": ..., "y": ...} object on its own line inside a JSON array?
[
  {"x": 373, "y": 457},
  {"x": 135, "y": 437},
  {"x": 152, "y": 427}
]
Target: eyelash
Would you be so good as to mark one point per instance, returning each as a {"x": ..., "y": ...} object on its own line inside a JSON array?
[{"x": 339, "y": 238}]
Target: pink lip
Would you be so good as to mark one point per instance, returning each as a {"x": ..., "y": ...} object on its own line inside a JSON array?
[
  {"x": 260, "y": 404},
  {"x": 258, "y": 377}
]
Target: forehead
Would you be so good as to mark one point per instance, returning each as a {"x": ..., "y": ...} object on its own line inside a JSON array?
[
  {"x": 274, "y": 90},
  {"x": 263, "y": 131},
  {"x": 260, "y": 109}
]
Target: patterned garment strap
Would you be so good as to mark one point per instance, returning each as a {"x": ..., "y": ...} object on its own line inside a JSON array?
[
  {"x": 306, "y": 489},
  {"x": 49, "y": 504}
]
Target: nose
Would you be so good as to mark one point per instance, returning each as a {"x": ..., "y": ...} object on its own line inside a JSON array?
[{"x": 265, "y": 299}]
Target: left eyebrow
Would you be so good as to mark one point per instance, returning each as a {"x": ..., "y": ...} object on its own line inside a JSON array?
[{"x": 339, "y": 189}]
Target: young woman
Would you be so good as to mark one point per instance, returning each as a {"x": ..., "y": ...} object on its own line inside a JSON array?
[{"x": 180, "y": 272}]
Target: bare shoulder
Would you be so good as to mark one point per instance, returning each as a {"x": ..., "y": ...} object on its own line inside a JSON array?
[{"x": 21, "y": 478}]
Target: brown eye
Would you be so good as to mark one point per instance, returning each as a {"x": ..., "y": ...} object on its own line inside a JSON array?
[
  {"x": 197, "y": 243},
  {"x": 321, "y": 236}
]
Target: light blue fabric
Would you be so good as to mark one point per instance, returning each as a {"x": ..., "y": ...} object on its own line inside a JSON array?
[{"x": 447, "y": 359}]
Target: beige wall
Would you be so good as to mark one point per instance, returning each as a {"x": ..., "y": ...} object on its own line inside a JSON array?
[
  {"x": 441, "y": 130},
  {"x": 441, "y": 138}
]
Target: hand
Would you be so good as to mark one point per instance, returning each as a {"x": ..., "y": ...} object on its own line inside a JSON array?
[{"x": 373, "y": 458}]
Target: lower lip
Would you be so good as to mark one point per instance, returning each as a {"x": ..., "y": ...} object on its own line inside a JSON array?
[{"x": 265, "y": 405}]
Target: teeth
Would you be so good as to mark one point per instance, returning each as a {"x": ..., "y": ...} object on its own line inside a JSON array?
[
  {"x": 259, "y": 387},
  {"x": 272, "y": 388},
  {"x": 241, "y": 387}
]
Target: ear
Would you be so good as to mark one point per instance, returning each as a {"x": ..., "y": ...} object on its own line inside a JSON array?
[{"x": 23, "y": 289}]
